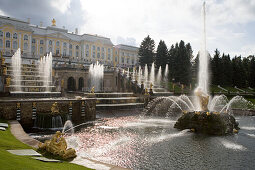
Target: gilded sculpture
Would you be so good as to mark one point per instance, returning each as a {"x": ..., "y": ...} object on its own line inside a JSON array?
[
  {"x": 203, "y": 99},
  {"x": 57, "y": 146},
  {"x": 54, "y": 108}
]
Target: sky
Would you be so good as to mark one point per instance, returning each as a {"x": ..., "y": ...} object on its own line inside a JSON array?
[{"x": 230, "y": 24}]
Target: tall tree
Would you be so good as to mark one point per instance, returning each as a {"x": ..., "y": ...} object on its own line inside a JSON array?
[
  {"x": 216, "y": 68},
  {"x": 226, "y": 70},
  {"x": 146, "y": 51},
  {"x": 251, "y": 76},
  {"x": 161, "y": 55},
  {"x": 238, "y": 72}
]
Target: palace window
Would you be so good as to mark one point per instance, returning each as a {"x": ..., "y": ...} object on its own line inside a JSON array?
[
  {"x": 70, "y": 53},
  {"x": 102, "y": 55},
  {"x": 41, "y": 41},
  {"x": 116, "y": 59},
  {"x": 57, "y": 43},
  {"x": 87, "y": 46},
  {"x": 94, "y": 54},
  {"x": 25, "y": 46},
  {"x": 8, "y": 35},
  {"x": 98, "y": 55},
  {"x": 1, "y": 33},
  {"x": 98, "y": 48},
  {"x": 122, "y": 59},
  {"x": 57, "y": 51},
  {"x": 41, "y": 50},
  {"x": 50, "y": 42},
  {"x": 87, "y": 53},
  {"x": 77, "y": 54},
  {"x": 33, "y": 49},
  {"x": 33, "y": 41},
  {"x": 133, "y": 61},
  {"x": 50, "y": 49},
  {"x": 1, "y": 43},
  {"x": 15, "y": 36},
  {"x": 64, "y": 52},
  {"x": 122, "y": 53},
  {"x": 64, "y": 44},
  {"x": 102, "y": 49},
  {"x": 94, "y": 48},
  {"x": 70, "y": 46},
  {"x": 25, "y": 37},
  {"x": 127, "y": 60},
  {"x": 7, "y": 44},
  {"x": 15, "y": 46},
  {"x": 77, "y": 47}
]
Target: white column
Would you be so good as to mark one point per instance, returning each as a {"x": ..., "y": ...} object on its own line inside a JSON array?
[
  {"x": 29, "y": 44},
  {"x": 67, "y": 47},
  {"x": 19, "y": 40},
  {"x": 53, "y": 47},
  {"x": 37, "y": 47},
  {"x": 47, "y": 46}
]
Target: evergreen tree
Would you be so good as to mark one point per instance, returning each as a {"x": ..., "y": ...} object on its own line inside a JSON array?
[
  {"x": 216, "y": 69},
  {"x": 161, "y": 55},
  {"x": 238, "y": 72},
  {"x": 146, "y": 51},
  {"x": 251, "y": 75},
  {"x": 226, "y": 70}
]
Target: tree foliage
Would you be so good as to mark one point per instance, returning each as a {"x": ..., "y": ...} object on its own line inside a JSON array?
[{"x": 146, "y": 51}]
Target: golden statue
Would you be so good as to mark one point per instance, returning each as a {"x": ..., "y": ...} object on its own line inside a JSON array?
[
  {"x": 62, "y": 83},
  {"x": 151, "y": 85},
  {"x": 57, "y": 146},
  {"x": 146, "y": 91},
  {"x": 203, "y": 99},
  {"x": 53, "y": 22},
  {"x": 92, "y": 90},
  {"x": 8, "y": 81},
  {"x": 54, "y": 108},
  {"x": 4, "y": 71},
  {"x": 3, "y": 59}
]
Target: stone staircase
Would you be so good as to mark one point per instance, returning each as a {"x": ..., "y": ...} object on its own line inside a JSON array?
[{"x": 117, "y": 101}]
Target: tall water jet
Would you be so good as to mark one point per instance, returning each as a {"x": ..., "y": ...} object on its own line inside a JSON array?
[
  {"x": 152, "y": 74},
  {"x": 96, "y": 74},
  {"x": 159, "y": 76},
  {"x": 203, "y": 76},
  {"x": 16, "y": 66},
  {"x": 139, "y": 74},
  {"x": 145, "y": 75},
  {"x": 45, "y": 71},
  {"x": 166, "y": 73}
]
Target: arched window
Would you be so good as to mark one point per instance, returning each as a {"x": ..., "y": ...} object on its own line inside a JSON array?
[
  {"x": 41, "y": 41},
  {"x": 1, "y": 33},
  {"x": 25, "y": 46},
  {"x": 64, "y": 52},
  {"x": 77, "y": 54},
  {"x": 7, "y": 44},
  {"x": 70, "y": 46},
  {"x": 25, "y": 37},
  {"x": 57, "y": 51},
  {"x": 57, "y": 43},
  {"x": 77, "y": 47},
  {"x": 14, "y": 46},
  {"x": 64, "y": 44},
  {"x": 50, "y": 42},
  {"x": 15, "y": 36},
  {"x": 98, "y": 55},
  {"x": 33, "y": 49},
  {"x": 41, "y": 50},
  {"x": 87, "y": 46},
  {"x": 33, "y": 41},
  {"x": 70, "y": 53},
  {"x": 1, "y": 43},
  {"x": 8, "y": 35},
  {"x": 81, "y": 84}
]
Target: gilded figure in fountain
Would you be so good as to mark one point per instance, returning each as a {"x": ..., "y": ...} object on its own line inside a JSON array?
[
  {"x": 54, "y": 108},
  {"x": 203, "y": 99},
  {"x": 58, "y": 147}
]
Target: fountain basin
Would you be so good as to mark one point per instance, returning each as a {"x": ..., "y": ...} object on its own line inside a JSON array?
[{"x": 207, "y": 123}]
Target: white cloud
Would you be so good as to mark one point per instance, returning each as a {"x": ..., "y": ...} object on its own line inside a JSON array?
[
  {"x": 171, "y": 21},
  {"x": 61, "y": 5},
  {"x": 2, "y": 13}
]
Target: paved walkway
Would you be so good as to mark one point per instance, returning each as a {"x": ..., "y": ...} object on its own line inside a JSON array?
[{"x": 21, "y": 135}]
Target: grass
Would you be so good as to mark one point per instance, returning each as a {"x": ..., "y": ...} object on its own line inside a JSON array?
[{"x": 10, "y": 161}]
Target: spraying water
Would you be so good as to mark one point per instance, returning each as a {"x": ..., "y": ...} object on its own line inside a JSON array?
[
  {"x": 96, "y": 74},
  {"x": 203, "y": 61},
  {"x": 16, "y": 66},
  {"x": 159, "y": 75},
  {"x": 152, "y": 74},
  {"x": 145, "y": 74},
  {"x": 45, "y": 71},
  {"x": 166, "y": 73}
]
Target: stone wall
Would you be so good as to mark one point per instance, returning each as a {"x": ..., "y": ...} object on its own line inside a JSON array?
[{"x": 8, "y": 109}]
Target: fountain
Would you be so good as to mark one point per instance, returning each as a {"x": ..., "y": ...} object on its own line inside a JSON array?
[
  {"x": 205, "y": 114},
  {"x": 152, "y": 74},
  {"x": 159, "y": 76},
  {"x": 45, "y": 71},
  {"x": 16, "y": 66},
  {"x": 96, "y": 75}
]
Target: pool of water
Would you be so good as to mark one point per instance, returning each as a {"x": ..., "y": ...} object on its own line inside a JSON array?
[{"x": 137, "y": 142}]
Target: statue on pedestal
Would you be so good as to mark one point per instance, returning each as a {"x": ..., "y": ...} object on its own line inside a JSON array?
[{"x": 203, "y": 99}]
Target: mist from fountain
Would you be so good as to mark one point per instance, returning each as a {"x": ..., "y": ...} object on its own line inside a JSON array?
[
  {"x": 166, "y": 73},
  {"x": 159, "y": 76},
  {"x": 146, "y": 76},
  {"x": 96, "y": 75},
  {"x": 152, "y": 74},
  {"x": 16, "y": 66},
  {"x": 45, "y": 71}
]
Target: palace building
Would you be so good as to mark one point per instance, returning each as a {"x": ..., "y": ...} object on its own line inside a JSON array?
[{"x": 36, "y": 41}]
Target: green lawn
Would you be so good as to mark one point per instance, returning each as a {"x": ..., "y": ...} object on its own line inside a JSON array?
[{"x": 10, "y": 161}]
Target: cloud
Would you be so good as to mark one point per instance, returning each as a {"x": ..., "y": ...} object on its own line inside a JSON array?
[{"x": 230, "y": 23}]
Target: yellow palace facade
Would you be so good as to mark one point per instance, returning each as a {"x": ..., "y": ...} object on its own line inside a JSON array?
[{"x": 36, "y": 41}]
